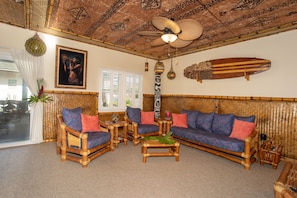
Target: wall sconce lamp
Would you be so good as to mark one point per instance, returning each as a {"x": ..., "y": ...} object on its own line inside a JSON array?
[{"x": 146, "y": 66}]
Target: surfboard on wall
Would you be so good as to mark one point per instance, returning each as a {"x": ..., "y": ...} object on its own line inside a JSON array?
[{"x": 227, "y": 68}]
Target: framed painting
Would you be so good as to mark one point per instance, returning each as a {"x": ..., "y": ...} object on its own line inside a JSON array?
[{"x": 71, "y": 68}]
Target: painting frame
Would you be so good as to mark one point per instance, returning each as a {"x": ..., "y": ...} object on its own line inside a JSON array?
[{"x": 71, "y": 68}]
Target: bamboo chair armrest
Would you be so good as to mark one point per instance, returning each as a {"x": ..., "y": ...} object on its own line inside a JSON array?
[
  {"x": 106, "y": 127},
  {"x": 159, "y": 122},
  {"x": 129, "y": 121},
  {"x": 77, "y": 134},
  {"x": 103, "y": 124},
  {"x": 126, "y": 118},
  {"x": 252, "y": 136},
  {"x": 134, "y": 124}
]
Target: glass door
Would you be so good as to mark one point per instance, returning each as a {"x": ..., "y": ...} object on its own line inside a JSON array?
[{"x": 14, "y": 108}]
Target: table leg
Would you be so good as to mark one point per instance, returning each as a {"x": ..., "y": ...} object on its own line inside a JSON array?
[
  {"x": 144, "y": 153},
  {"x": 176, "y": 153},
  {"x": 116, "y": 136},
  {"x": 125, "y": 133}
]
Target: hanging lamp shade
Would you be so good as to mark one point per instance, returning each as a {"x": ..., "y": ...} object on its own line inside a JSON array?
[
  {"x": 159, "y": 67},
  {"x": 35, "y": 46}
]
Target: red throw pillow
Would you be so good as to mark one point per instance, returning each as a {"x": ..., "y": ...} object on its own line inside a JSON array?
[
  {"x": 179, "y": 120},
  {"x": 242, "y": 129},
  {"x": 89, "y": 123},
  {"x": 147, "y": 117}
]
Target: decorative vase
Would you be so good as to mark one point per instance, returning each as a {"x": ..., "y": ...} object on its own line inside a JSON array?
[
  {"x": 167, "y": 115},
  {"x": 115, "y": 118}
]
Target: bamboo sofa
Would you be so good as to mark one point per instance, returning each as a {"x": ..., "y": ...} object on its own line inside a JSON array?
[
  {"x": 79, "y": 144},
  {"x": 215, "y": 133}
]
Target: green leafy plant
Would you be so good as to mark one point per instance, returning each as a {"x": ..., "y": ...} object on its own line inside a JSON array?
[
  {"x": 167, "y": 139},
  {"x": 41, "y": 96}
]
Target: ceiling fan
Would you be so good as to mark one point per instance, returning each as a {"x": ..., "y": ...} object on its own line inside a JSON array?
[{"x": 177, "y": 34}]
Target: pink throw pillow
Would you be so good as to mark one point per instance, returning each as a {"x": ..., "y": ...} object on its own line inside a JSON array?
[
  {"x": 242, "y": 129},
  {"x": 179, "y": 120},
  {"x": 89, "y": 123},
  {"x": 147, "y": 117}
]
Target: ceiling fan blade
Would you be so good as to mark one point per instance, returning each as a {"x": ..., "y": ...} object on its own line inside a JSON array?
[
  {"x": 180, "y": 43},
  {"x": 157, "y": 42},
  {"x": 149, "y": 33},
  {"x": 191, "y": 29},
  {"x": 161, "y": 23}
]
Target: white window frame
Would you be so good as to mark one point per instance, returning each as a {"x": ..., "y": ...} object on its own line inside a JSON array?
[{"x": 122, "y": 91}]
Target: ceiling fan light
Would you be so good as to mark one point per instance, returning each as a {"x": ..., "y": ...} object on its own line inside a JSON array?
[{"x": 169, "y": 38}]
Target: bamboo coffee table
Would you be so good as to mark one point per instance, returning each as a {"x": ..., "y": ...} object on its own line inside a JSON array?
[{"x": 173, "y": 149}]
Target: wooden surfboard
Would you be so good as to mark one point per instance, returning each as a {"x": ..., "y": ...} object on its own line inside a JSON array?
[{"x": 227, "y": 68}]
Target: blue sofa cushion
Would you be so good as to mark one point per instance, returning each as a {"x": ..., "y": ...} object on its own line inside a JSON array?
[
  {"x": 212, "y": 139},
  {"x": 97, "y": 138},
  {"x": 222, "y": 124},
  {"x": 204, "y": 121},
  {"x": 147, "y": 128},
  {"x": 134, "y": 114},
  {"x": 246, "y": 118},
  {"x": 191, "y": 118},
  {"x": 72, "y": 118}
]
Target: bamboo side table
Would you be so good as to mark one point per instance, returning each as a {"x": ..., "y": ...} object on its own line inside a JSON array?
[
  {"x": 270, "y": 153},
  {"x": 119, "y": 137}
]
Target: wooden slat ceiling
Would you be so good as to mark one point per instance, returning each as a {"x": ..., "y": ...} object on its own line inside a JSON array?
[{"x": 114, "y": 24}]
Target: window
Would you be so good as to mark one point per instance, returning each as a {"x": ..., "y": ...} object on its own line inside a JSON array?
[{"x": 119, "y": 89}]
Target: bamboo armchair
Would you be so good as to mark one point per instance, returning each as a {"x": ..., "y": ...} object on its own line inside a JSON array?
[
  {"x": 137, "y": 130},
  {"x": 77, "y": 146}
]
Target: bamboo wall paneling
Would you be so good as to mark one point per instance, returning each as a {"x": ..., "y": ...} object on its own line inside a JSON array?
[
  {"x": 148, "y": 102},
  {"x": 106, "y": 116},
  {"x": 176, "y": 104}
]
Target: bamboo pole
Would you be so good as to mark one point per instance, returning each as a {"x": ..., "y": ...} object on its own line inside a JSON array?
[{"x": 49, "y": 12}]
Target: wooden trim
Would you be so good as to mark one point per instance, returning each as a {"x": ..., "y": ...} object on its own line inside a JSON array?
[
  {"x": 254, "y": 98},
  {"x": 70, "y": 92}
]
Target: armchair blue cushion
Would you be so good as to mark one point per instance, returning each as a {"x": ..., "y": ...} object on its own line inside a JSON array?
[
  {"x": 134, "y": 114},
  {"x": 147, "y": 128},
  {"x": 97, "y": 138},
  {"x": 72, "y": 118}
]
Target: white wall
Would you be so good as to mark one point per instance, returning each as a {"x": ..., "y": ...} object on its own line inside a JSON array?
[
  {"x": 279, "y": 81},
  {"x": 98, "y": 57}
]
